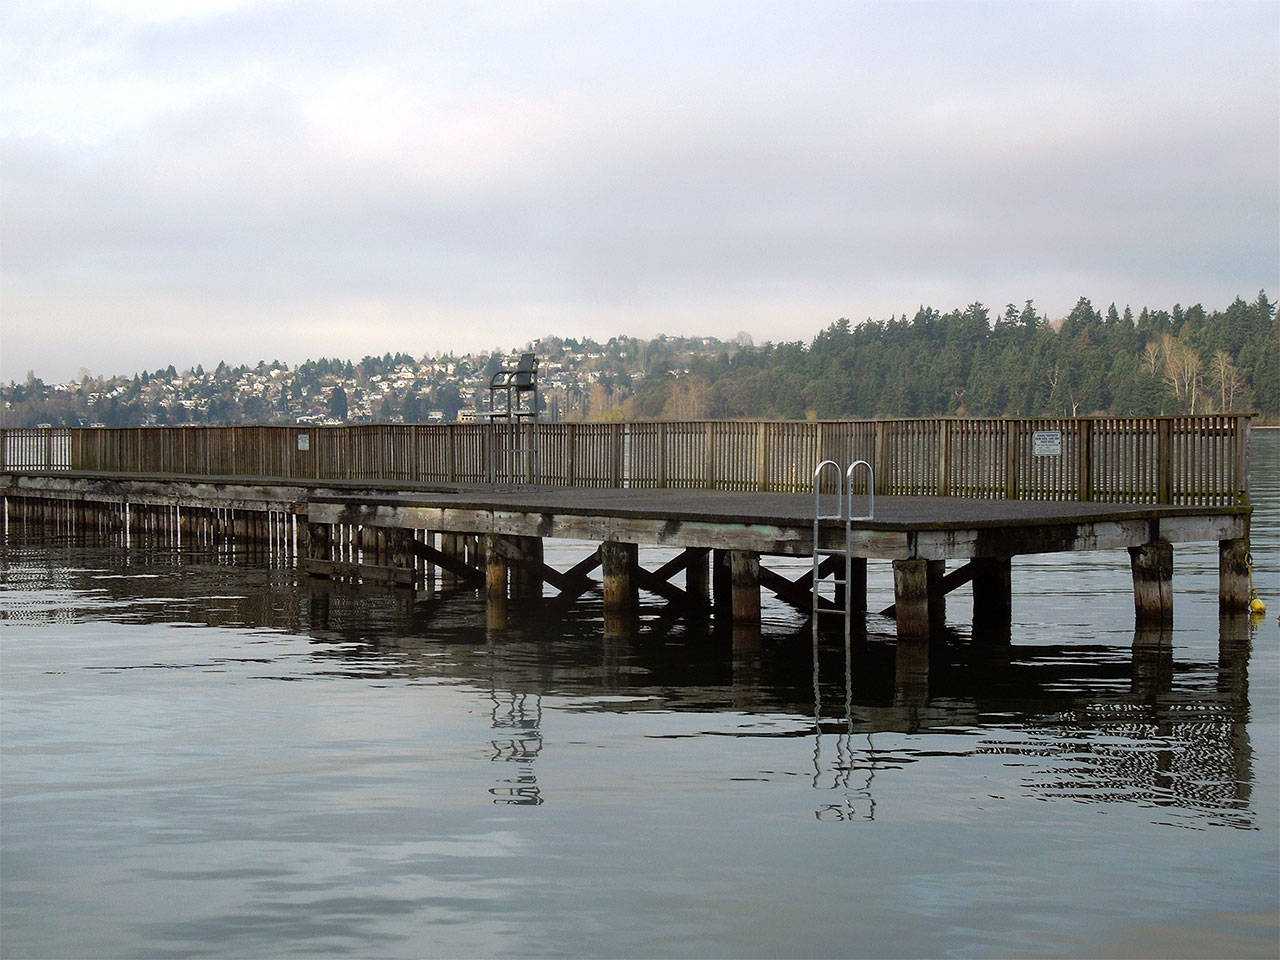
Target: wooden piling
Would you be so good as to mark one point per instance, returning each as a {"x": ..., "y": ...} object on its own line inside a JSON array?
[
  {"x": 495, "y": 570},
  {"x": 721, "y": 586},
  {"x": 856, "y": 588},
  {"x": 697, "y": 582},
  {"x": 935, "y": 571},
  {"x": 527, "y": 577},
  {"x": 319, "y": 541},
  {"x": 1152, "y": 565},
  {"x": 911, "y": 598},
  {"x": 744, "y": 578},
  {"x": 992, "y": 596},
  {"x": 617, "y": 561},
  {"x": 1233, "y": 575}
]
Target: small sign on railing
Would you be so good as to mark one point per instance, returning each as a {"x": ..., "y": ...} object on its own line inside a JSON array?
[
  {"x": 304, "y": 441},
  {"x": 1046, "y": 443}
]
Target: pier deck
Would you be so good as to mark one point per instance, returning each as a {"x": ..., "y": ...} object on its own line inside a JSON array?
[
  {"x": 934, "y": 528},
  {"x": 490, "y": 536}
]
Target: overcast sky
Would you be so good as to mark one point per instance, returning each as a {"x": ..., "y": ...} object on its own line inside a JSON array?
[{"x": 185, "y": 181}]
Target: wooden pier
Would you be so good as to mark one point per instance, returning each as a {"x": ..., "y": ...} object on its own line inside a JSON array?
[{"x": 1144, "y": 486}]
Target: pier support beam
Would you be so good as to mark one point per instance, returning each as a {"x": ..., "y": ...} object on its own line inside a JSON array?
[
  {"x": 935, "y": 572},
  {"x": 911, "y": 598},
  {"x": 1233, "y": 575},
  {"x": 721, "y": 586},
  {"x": 697, "y": 583},
  {"x": 1152, "y": 565},
  {"x": 856, "y": 588},
  {"x": 318, "y": 541},
  {"x": 617, "y": 562},
  {"x": 527, "y": 577},
  {"x": 744, "y": 579},
  {"x": 992, "y": 596},
  {"x": 449, "y": 547},
  {"x": 495, "y": 570},
  {"x": 400, "y": 549}
]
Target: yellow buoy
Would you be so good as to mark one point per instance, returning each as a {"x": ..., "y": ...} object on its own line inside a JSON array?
[{"x": 1256, "y": 607}]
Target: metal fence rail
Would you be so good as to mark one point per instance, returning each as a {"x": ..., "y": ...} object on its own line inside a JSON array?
[{"x": 1182, "y": 460}]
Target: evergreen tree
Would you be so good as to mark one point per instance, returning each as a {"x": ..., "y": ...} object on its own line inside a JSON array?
[{"x": 338, "y": 403}]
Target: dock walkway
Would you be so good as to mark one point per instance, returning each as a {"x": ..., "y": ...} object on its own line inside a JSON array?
[{"x": 490, "y": 536}]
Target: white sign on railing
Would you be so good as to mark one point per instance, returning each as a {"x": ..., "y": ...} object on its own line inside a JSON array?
[{"x": 1046, "y": 443}]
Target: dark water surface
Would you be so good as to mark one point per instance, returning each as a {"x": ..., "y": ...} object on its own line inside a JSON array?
[{"x": 205, "y": 756}]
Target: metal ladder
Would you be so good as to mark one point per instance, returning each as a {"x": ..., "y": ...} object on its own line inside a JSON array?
[{"x": 844, "y": 507}]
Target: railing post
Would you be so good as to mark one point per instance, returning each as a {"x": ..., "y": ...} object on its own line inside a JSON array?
[
  {"x": 616, "y": 440},
  {"x": 1242, "y": 427},
  {"x": 1164, "y": 460},
  {"x": 882, "y": 457},
  {"x": 571, "y": 466},
  {"x": 489, "y": 435},
  {"x": 48, "y": 448},
  {"x": 662, "y": 453},
  {"x": 944, "y": 458},
  {"x": 1011, "y": 459},
  {"x": 762, "y": 456},
  {"x": 1084, "y": 454},
  {"x": 708, "y": 463},
  {"x": 530, "y": 460}
]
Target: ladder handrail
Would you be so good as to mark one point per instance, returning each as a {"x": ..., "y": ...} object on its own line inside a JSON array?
[
  {"x": 817, "y": 494},
  {"x": 871, "y": 490},
  {"x": 844, "y": 504}
]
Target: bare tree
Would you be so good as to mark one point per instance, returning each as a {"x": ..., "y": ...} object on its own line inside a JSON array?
[
  {"x": 1226, "y": 376},
  {"x": 1182, "y": 369},
  {"x": 1153, "y": 357},
  {"x": 690, "y": 399}
]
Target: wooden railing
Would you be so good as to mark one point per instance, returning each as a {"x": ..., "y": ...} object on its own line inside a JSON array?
[{"x": 1191, "y": 460}]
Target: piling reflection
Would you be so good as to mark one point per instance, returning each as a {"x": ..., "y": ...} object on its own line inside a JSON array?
[
  {"x": 520, "y": 717},
  {"x": 1152, "y": 661},
  {"x": 1093, "y": 723}
]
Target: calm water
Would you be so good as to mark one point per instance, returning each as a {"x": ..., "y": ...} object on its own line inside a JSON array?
[{"x": 204, "y": 756}]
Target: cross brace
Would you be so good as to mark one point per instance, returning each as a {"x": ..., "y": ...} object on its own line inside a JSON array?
[{"x": 956, "y": 578}]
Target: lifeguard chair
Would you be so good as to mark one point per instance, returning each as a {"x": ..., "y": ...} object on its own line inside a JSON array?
[
  {"x": 513, "y": 391},
  {"x": 513, "y": 413}
]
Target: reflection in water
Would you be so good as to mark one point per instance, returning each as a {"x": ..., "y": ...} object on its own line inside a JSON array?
[
  {"x": 521, "y": 716},
  {"x": 1101, "y": 724},
  {"x": 856, "y": 799}
]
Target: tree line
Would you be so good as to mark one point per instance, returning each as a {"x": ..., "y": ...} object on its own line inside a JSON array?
[
  {"x": 966, "y": 363},
  {"x": 962, "y": 363}
]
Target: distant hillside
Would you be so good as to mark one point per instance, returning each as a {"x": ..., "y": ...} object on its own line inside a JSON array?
[{"x": 964, "y": 362}]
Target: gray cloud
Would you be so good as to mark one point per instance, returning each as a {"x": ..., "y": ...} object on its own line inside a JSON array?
[{"x": 290, "y": 179}]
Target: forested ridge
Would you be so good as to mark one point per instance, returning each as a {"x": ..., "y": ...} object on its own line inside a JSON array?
[
  {"x": 962, "y": 363},
  {"x": 966, "y": 363}
]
